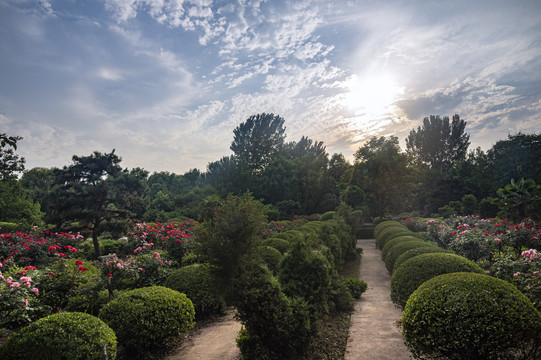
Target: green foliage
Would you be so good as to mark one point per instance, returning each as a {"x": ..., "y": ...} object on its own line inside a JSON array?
[
  {"x": 65, "y": 335},
  {"x": 438, "y": 144},
  {"x": 340, "y": 296},
  {"x": 407, "y": 278},
  {"x": 270, "y": 256},
  {"x": 519, "y": 200},
  {"x": 279, "y": 244},
  {"x": 393, "y": 233},
  {"x": 198, "y": 283},
  {"x": 67, "y": 278},
  {"x": 17, "y": 207},
  {"x": 382, "y": 225},
  {"x": 400, "y": 248},
  {"x": 275, "y": 327},
  {"x": 306, "y": 273},
  {"x": 327, "y": 216},
  {"x": 397, "y": 240},
  {"x": 356, "y": 286},
  {"x": 427, "y": 249},
  {"x": 226, "y": 238},
  {"x": 257, "y": 140},
  {"x": 9, "y": 227},
  {"x": 468, "y": 205},
  {"x": 145, "y": 319},
  {"x": 467, "y": 316}
]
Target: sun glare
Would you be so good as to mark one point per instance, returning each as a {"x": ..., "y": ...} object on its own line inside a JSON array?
[{"x": 372, "y": 96}]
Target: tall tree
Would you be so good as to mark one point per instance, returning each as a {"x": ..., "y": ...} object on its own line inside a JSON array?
[
  {"x": 438, "y": 143},
  {"x": 382, "y": 171},
  {"x": 10, "y": 162},
  {"x": 258, "y": 140},
  {"x": 97, "y": 193}
]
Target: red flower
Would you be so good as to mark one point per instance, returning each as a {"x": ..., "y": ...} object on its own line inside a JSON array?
[
  {"x": 110, "y": 275},
  {"x": 82, "y": 268},
  {"x": 52, "y": 274},
  {"x": 30, "y": 268},
  {"x": 78, "y": 262}
]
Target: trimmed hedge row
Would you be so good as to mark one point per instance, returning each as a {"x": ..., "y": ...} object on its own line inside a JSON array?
[{"x": 400, "y": 248}]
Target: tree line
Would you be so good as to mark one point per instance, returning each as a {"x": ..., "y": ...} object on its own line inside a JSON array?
[{"x": 435, "y": 175}]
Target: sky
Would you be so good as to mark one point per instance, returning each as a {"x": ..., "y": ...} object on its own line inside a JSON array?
[{"x": 165, "y": 82}]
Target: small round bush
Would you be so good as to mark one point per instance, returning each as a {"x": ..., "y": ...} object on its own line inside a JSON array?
[
  {"x": 384, "y": 225},
  {"x": 356, "y": 286},
  {"x": 68, "y": 335},
  {"x": 279, "y": 244},
  {"x": 401, "y": 248},
  {"x": 467, "y": 316},
  {"x": 389, "y": 245},
  {"x": 390, "y": 233},
  {"x": 327, "y": 216},
  {"x": 427, "y": 249},
  {"x": 145, "y": 319},
  {"x": 198, "y": 283},
  {"x": 407, "y": 278}
]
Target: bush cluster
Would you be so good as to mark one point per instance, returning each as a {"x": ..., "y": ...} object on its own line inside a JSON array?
[
  {"x": 400, "y": 248},
  {"x": 471, "y": 316}
]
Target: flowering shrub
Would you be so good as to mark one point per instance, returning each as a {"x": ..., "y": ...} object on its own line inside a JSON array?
[
  {"x": 19, "y": 303},
  {"x": 42, "y": 249},
  {"x": 276, "y": 227},
  {"x": 68, "y": 278},
  {"x": 524, "y": 272},
  {"x": 173, "y": 237}
]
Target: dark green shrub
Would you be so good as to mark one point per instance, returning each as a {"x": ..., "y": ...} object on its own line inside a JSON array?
[
  {"x": 401, "y": 248},
  {"x": 145, "y": 319},
  {"x": 385, "y": 239},
  {"x": 467, "y": 316},
  {"x": 279, "y": 244},
  {"x": 390, "y": 233},
  {"x": 327, "y": 216},
  {"x": 389, "y": 244},
  {"x": 306, "y": 273},
  {"x": 427, "y": 249},
  {"x": 275, "y": 327},
  {"x": 87, "y": 303},
  {"x": 384, "y": 225},
  {"x": 356, "y": 286},
  {"x": 290, "y": 235},
  {"x": 197, "y": 282},
  {"x": 62, "y": 336},
  {"x": 340, "y": 297},
  {"x": 270, "y": 256},
  {"x": 9, "y": 227},
  {"x": 421, "y": 268},
  {"x": 365, "y": 232}
]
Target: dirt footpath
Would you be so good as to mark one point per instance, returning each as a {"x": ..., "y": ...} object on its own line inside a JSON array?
[
  {"x": 374, "y": 332},
  {"x": 216, "y": 341}
]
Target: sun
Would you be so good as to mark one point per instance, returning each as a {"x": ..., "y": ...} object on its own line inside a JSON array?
[{"x": 372, "y": 96}]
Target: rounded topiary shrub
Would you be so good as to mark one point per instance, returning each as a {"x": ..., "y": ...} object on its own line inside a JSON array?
[
  {"x": 384, "y": 225},
  {"x": 401, "y": 248},
  {"x": 427, "y": 249},
  {"x": 407, "y": 278},
  {"x": 389, "y": 245},
  {"x": 68, "y": 335},
  {"x": 270, "y": 256},
  {"x": 467, "y": 316},
  {"x": 390, "y": 233},
  {"x": 197, "y": 282},
  {"x": 279, "y": 244},
  {"x": 145, "y": 319},
  {"x": 327, "y": 216}
]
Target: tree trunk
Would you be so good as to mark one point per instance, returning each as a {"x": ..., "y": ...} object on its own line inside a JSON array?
[{"x": 96, "y": 243}]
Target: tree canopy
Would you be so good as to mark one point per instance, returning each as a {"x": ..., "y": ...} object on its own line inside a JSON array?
[
  {"x": 257, "y": 140},
  {"x": 438, "y": 143}
]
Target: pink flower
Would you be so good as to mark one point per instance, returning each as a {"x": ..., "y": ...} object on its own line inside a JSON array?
[
  {"x": 497, "y": 240},
  {"x": 516, "y": 274},
  {"x": 25, "y": 301},
  {"x": 536, "y": 272},
  {"x": 35, "y": 290}
]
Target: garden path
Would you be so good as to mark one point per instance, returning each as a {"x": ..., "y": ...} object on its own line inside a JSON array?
[
  {"x": 374, "y": 332},
  {"x": 216, "y": 341}
]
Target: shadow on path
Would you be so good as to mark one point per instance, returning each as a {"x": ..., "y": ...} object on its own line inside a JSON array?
[{"x": 374, "y": 333}]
